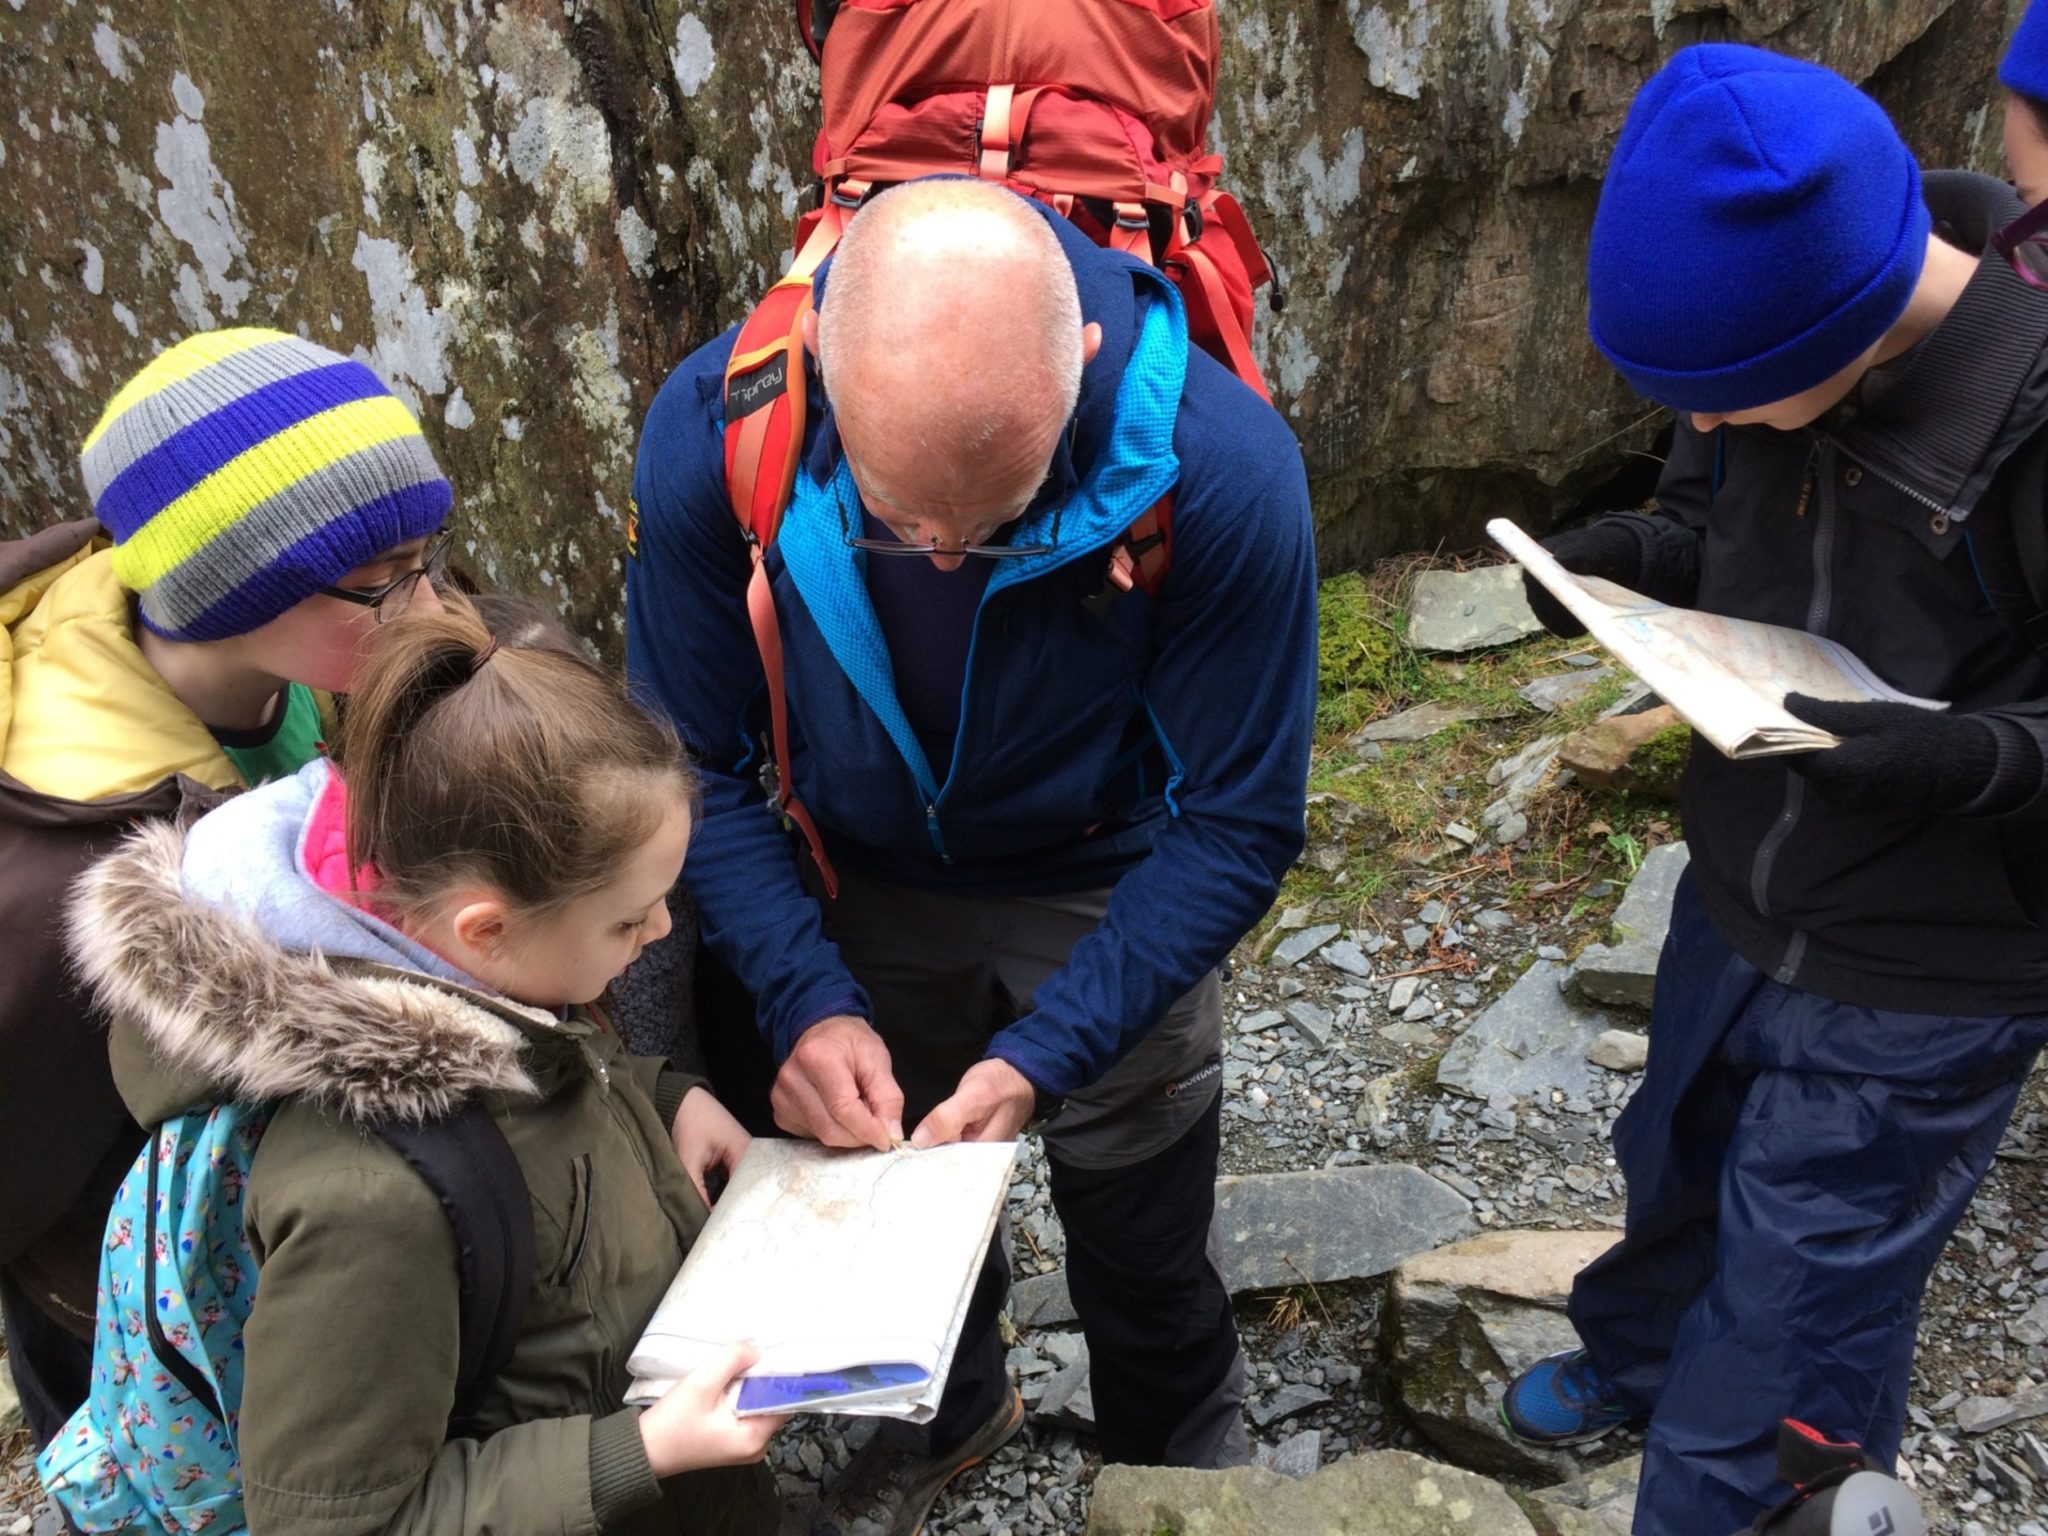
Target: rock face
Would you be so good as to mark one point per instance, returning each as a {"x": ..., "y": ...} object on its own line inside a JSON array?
[
  {"x": 1463, "y": 1322},
  {"x": 524, "y": 214},
  {"x": 1383, "y": 1493},
  {"x": 1643, "y": 753}
]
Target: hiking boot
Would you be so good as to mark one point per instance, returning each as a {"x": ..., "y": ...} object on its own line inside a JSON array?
[
  {"x": 887, "y": 1490},
  {"x": 1563, "y": 1400}
]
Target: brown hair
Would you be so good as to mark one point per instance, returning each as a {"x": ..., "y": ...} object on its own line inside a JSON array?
[{"x": 511, "y": 759}]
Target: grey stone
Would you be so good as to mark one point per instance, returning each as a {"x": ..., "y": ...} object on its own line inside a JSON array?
[
  {"x": 1421, "y": 722},
  {"x": 1601, "y": 1502},
  {"x": 1346, "y": 957},
  {"x": 1458, "y": 832},
  {"x": 1464, "y": 1321},
  {"x": 1298, "y": 946},
  {"x": 1402, "y": 993},
  {"x": 1025, "y": 1362},
  {"x": 1493, "y": 920},
  {"x": 1981, "y": 1415},
  {"x": 1511, "y": 828},
  {"x": 1551, "y": 694},
  {"x": 1068, "y": 1399},
  {"x": 2032, "y": 1326},
  {"x": 1279, "y": 1229},
  {"x": 1381, "y": 1493},
  {"x": 1041, "y": 1301},
  {"x": 1625, "y": 970},
  {"x": 1619, "y": 1050},
  {"x": 11, "y": 1417},
  {"x": 1297, "y": 1456},
  {"x": 1457, "y": 611},
  {"x": 1432, "y": 913},
  {"x": 1288, "y": 1402},
  {"x": 1532, "y": 1041},
  {"x": 1405, "y": 1031},
  {"x": 1264, "y": 1019},
  {"x": 1414, "y": 936},
  {"x": 1422, "y": 1008},
  {"x": 1313, "y": 1023}
]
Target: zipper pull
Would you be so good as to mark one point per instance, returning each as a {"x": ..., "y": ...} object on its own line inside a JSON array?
[
  {"x": 1806, "y": 480},
  {"x": 931, "y": 826}
]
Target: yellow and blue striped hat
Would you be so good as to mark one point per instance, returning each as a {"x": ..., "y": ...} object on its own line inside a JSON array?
[{"x": 244, "y": 470}]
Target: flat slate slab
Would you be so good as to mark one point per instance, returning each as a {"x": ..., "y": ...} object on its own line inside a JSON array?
[
  {"x": 1332, "y": 1223},
  {"x": 1625, "y": 971},
  {"x": 1381, "y": 1493},
  {"x": 1533, "y": 1040},
  {"x": 1279, "y": 1229},
  {"x": 1457, "y": 611},
  {"x": 1299, "y": 945},
  {"x": 1422, "y": 722},
  {"x": 1551, "y": 694}
]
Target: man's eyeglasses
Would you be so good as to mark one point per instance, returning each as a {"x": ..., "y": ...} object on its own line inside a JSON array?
[
  {"x": 390, "y": 600},
  {"x": 893, "y": 546},
  {"x": 2024, "y": 245}
]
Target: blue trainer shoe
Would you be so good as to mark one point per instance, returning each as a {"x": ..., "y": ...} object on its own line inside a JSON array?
[{"x": 1563, "y": 1400}]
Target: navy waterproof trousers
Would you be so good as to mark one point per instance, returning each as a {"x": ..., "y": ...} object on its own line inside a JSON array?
[{"x": 1795, "y": 1167}]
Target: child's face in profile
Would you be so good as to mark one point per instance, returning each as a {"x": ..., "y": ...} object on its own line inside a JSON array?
[
  {"x": 2026, "y": 151},
  {"x": 1796, "y": 411},
  {"x": 322, "y": 640},
  {"x": 572, "y": 954}
]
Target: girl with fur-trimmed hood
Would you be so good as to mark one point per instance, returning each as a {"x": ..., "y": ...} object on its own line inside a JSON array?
[{"x": 416, "y": 932}]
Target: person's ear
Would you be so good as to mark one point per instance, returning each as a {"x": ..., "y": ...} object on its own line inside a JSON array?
[
  {"x": 810, "y": 330},
  {"x": 1091, "y": 342},
  {"x": 479, "y": 924}
]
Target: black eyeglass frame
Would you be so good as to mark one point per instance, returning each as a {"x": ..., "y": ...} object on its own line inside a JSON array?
[
  {"x": 893, "y": 546},
  {"x": 2024, "y": 245},
  {"x": 433, "y": 565}
]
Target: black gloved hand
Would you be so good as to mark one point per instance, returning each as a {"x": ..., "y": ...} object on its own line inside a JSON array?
[
  {"x": 1606, "y": 549},
  {"x": 1894, "y": 757}
]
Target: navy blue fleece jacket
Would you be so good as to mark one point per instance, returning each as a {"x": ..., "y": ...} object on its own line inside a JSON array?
[{"x": 1157, "y": 746}]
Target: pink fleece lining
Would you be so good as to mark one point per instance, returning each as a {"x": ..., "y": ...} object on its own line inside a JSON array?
[{"x": 323, "y": 847}]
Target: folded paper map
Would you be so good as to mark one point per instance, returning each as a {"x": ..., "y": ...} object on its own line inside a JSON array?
[
  {"x": 1727, "y": 677},
  {"x": 850, "y": 1271}
]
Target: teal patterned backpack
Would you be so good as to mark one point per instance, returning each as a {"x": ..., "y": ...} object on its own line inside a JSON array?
[{"x": 154, "y": 1447}]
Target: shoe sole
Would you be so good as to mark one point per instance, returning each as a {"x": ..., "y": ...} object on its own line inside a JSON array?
[
  {"x": 984, "y": 1446},
  {"x": 1554, "y": 1442}
]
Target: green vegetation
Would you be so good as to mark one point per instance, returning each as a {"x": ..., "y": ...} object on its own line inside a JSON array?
[{"x": 1377, "y": 813}]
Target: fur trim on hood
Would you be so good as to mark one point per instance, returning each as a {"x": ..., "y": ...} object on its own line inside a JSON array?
[{"x": 218, "y": 1001}]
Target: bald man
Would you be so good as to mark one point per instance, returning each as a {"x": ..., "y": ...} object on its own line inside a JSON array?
[{"x": 1053, "y": 805}]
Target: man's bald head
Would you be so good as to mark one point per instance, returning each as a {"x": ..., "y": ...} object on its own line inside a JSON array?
[{"x": 951, "y": 343}]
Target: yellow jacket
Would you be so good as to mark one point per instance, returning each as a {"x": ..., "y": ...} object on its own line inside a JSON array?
[{"x": 83, "y": 715}]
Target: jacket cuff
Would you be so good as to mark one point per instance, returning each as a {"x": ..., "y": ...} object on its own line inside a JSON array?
[
  {"x": 621, "y": 1481},
  {"x": 670, "y": 1089},
  {"x": 2016, "y": 778},
  {"x": 850, "y": 1004}
]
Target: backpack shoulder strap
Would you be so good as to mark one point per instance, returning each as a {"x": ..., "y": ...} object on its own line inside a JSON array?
[
  {"x": 1142, "y": 557},
  {"x": 465, "y": 1159}
]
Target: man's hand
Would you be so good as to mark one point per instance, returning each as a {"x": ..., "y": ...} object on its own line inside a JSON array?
[
  {"x": 1901, "y": 759},
  {"x": 993, "y": 1103},
  {"x": 837, "y": 1088},
  {"x": 707, "y": 1137}
]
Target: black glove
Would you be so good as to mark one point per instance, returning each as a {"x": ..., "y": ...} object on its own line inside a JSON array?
[
  {"x": 1607, "y": 549},
  {"x": 1895, "y": 757}
]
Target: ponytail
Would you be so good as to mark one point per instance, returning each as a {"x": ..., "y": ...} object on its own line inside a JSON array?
[{"x": 517, "y": 763}]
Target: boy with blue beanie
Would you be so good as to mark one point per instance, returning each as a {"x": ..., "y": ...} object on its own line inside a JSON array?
[
  {"x": 2024, "y": 73},
  {"x": 260, "y": 505},
  {"x": 1856, "y": 980}
]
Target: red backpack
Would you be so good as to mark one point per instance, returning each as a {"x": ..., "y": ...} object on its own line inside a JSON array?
[{"x": 1098, "y": 108}]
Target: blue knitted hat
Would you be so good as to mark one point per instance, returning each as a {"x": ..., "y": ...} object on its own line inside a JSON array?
[
  {"x": 1761, "y": 228},
  {"x": 2025, "y": 68}
]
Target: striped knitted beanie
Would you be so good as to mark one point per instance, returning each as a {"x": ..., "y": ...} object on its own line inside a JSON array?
[{"x": 244, "y": 470}]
